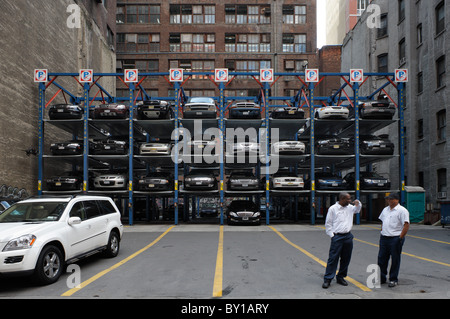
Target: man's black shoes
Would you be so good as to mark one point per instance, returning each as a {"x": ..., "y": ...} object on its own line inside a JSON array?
[
  {"x": 341, "y": 281},
  {"x": 326, "y": 284}
]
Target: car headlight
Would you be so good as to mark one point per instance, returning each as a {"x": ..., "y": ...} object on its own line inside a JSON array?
[
  {"x": 188, "y": 179},
  {"x": 233, "y": 214},
  {"x": 23, "y": 242},
  {"x": 257, "y": 214}
]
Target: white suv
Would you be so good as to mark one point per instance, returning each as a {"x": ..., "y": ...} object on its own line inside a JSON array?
[{"x": 40, "y": 236}]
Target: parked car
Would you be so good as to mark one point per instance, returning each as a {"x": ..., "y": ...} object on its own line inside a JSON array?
[
  {"x": 333, "y": 112},
  {"x": 243, "y": 180},
  {"x": 155, "y": 148},
  {"x": 68, "y": 181},
  {"x": 154, "y": 109},
  {"x": 243, "y": 211},
  {"x": 334, "y": 146},
  {"x": 368, "y": 181},
  {"x": 65, "y": 112},
  {"x": 288, "y": 148},
  {"x": 4, "y": 205},
  {"x": 42, "y": 235},
  {"x": 108, "y": 147},
  {"x": 286, "y": 181},
  {"x": 67, "y": 148},
  {"x": 376, "y": 145},
  {"x": 245, "y": 110},
  {"x": 288, "y": 113},
  {"x": 243, "y": 148},
  {"x": 209, "y": 209},
  {"x": 200, "y": 107},
  {"x": 200, "y": 180},
  {"x": 156, "y": 181},
  {"x": 110, "y": 182},
  {"x": 110, "y": 111},
  {"x": 381, "y": 109},
  {"x": 327, "y": 181}
]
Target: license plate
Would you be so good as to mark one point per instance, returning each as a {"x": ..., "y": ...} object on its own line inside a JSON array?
[
  {"x": 244, "y": 185},
  {"x": 198, "y": 183},
  {"x": 335, "y": 146},
  {"x": 57, "y": 184},
  {"x": 106, "y": 182},
  {"x": 60, "y": 110},
  {"x": 244, "y": 218},
  {"x": 107, "y": 147},
  {"x": 151, "y": 107},
  {"x": 151, "y": 185},
  {"x": 60, "y": 147},
  {"x": 291, "y": 112},
  {"x": 198, "y": 113},
  {"x": 246, "y": 113},
  {"x": 290, "y": 183},
  {"x": 107, "y": 111},
  {"x": 153, "y": 150},
  {"x": 334, "y": 184},
  {"x": 380, "y": 184}
]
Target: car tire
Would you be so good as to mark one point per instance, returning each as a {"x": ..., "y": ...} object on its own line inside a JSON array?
[
  {"x": 113, "y": 247},
  {"x": 49, "y": 267}
]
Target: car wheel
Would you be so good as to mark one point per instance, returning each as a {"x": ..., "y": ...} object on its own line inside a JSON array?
[
  {"x": 113, "y": 247},
  {"x": 49, "y": 266}
]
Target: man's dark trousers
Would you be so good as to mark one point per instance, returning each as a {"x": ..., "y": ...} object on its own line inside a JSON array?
[
  {"x": 341, "y": 247},
  {"x": 390, "y": 247}
]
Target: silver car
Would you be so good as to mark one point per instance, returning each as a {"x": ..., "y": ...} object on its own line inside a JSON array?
[
  {"x": 288, "y": 148},
  {"x": 155, "y": 149},
  {"x": 111, "y": 182},
  {"x": 200, "y": 107},
  {"x": 332, "y": 112},
  {"x": 287, "y": 181}
]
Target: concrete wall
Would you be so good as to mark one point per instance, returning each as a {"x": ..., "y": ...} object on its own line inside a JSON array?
[{"x": 34, "y": 35}]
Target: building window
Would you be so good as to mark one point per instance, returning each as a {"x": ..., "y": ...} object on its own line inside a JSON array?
[
  {"x": 419, "y": 34},
  {"x": 383, "y": 30},
  {"x": 194, "y": 66},
  {"x": 362, "y": 6},
  {"x": 188, "y": 42},
  {"x": 133, "y": 42},
  {"x": 401, "y": 10},
  {"x": 440, "y": 17},
  {"x": 247, "y": 66},
  {"x": 440, "y": 72},
  {"x": 441, "y": 125},
  {"x": 192, "y": 14},
  {"x": 294, "y": 14},
  {"x": 402, "y": 51},
  {"x": 420, "y": 83},
  {"x": 420, "y": 129},
  {"x": 442, "y": 180},
  {"x": 247, "y": 14},
  {"x": 383, "y": 63},
  {"x": 294, "y": 43},
  {"x": 247, "y": 42},
  {"x": 138, "y": 14}
]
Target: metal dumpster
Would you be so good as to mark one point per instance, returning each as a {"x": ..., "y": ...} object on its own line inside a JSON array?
[
  {"x": 445, "y": 213},
  {"x": 415, "y": 203}
]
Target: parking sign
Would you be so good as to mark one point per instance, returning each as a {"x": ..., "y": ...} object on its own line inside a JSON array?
[
  {"x": 176, "y": 75},
  {"x": 86, "y": 76},
  {"x": 312, "y": 75},
  {"x": 266, "y": 75},
  {"x": 221, "y": 75},
  {"x": 401, "y": 75},
  {"x": 131, "y": 76},
  {"x": 357, "y": 75},
  {"x": 40, "y": 75}
]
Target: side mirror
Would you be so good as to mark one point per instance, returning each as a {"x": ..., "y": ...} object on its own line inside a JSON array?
[{"x": 74, "y": 221}]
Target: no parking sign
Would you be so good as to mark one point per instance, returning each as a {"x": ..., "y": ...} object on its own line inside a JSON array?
[
  {"x": 312, "y": 75},
  {"x": 86, "y": 76},
  {"x": 176, "y": 75},
  {"x": 40, "y": 75},
  {"x": 401, "y": 75},
  {"x": 131, "y": 76}
]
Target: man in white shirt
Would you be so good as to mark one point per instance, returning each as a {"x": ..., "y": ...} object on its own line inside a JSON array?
[
  {"x": 395, "y": 225},
  {"x": 338, "y": 224}
]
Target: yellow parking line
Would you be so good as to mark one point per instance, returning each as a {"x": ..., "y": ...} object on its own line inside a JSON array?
[
  {"x": 321, "y": 262},
  {"x": 424, "y": 238},
  {"x": 218, "y": 277},
  {"x": 104, "y": 272}
]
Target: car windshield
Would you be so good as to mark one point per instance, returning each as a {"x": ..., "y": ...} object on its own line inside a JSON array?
[
  {"x": 33, "y": 212},
  {"x": 201, "y": 100}
]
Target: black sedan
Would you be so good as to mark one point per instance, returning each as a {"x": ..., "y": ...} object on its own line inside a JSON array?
[
  {"x": 243, "y": 180},
  {"x": 381, "y": 109},
  {"x": 327, "y": 181},
  {"x": 68, "y": 181},
  {"x": 376, "y": 145},
  {"x": 200, "y": 180},
  {"x": 245, "y": 110},
  {"x": 369, "y": 181},
  {"x": 334, "y": 146},
  {"x": 243, "y": 211},
  {"x": 288, "y": 113},
  {"x": 157, "y": 181},
  {"x": 154, "y": 109},
  {"x": 65, "y": 112},
  {"x": 108, "y": 147},
  {"x": 67, "y": 148}
]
